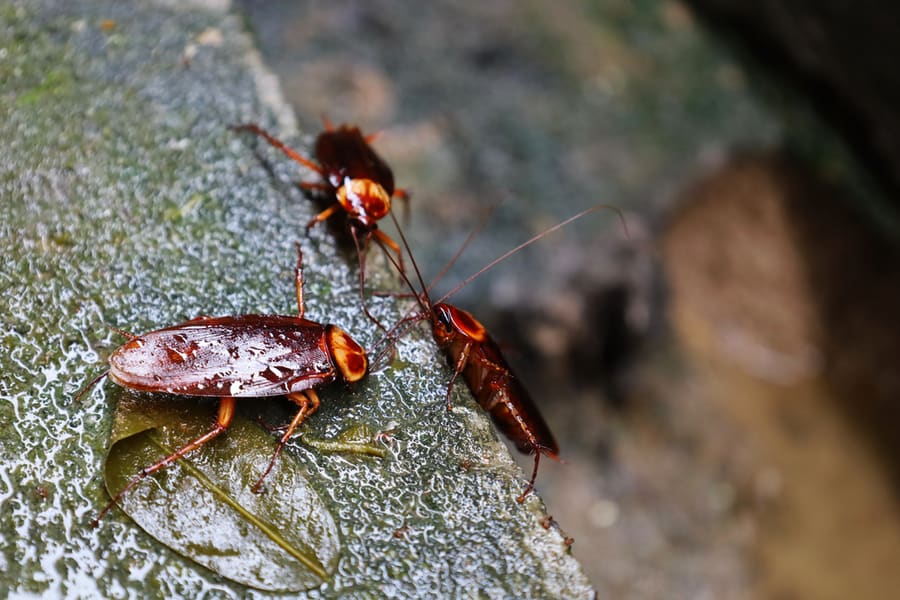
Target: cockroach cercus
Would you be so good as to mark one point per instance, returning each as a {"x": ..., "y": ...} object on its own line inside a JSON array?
[
  {"x": 357, "y": 180},
  {"x": 474, "y": 355},
  {"x": 244, "y": 356}
]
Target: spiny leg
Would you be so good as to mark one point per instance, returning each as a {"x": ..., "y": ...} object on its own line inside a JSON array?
[
  {"x": 460, "y": 365},
  {"x": 309, "y": 403},
  {"x": 530, "y": 486},
  {"x": 402, "y": 194},
  {"x": 315, "y": 185},
  {"x": 489, "y": 365},
  {"x": 323, "y": 215},
  {"x": 223, "y": 420},
  {"x": 279, "y": 429},
  {"x": 288, "y": 151}
]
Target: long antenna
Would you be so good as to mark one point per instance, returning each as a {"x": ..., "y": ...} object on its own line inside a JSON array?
[
  {"x": 475, "y": 231},
  {"x": 421, "y": 298},
  {"x": 426, "y": 303},
  {"x": 534, "y": 239}
]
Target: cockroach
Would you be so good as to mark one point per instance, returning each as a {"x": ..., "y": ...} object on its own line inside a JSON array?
[
  {"x": 245, "y": 356},
  {"x": 474, "y": 355},
  {"x": 355, "y": 178}
]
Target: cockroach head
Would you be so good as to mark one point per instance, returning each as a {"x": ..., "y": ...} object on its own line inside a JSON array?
[
  {"x": 449, "y": 321},
  {"x": 442, "y": 316}
]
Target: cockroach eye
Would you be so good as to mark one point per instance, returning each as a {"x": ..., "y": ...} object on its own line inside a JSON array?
[{"x": 442, "y": 316}]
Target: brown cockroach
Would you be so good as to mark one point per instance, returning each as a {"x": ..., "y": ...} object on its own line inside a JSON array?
[
  {"x": 355, "y": 177},
  {"x": 474, "y": 355},
  {"x": 244, "y": 356}
]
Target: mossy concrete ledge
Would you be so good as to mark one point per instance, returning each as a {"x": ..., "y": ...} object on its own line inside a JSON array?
[{"x": 127, "y": 202}]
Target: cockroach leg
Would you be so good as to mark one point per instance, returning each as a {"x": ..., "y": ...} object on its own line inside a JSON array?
[
  {"x": 289, "y": 152},
  {"x": 402, "y": 194},
  {"x": 530, "y": 486},
  {"x": 460, "y": 366},
  {"x": 308, "y": 401},
  {"x": 223, "y": 420},
  {"x": 271, "y": 428},
  {"x": 323, "y": 215},
  {"x": 314, "y": 185}
]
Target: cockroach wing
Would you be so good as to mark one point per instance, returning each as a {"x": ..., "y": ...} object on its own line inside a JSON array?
[
  {"x": 239, "y": 356},
  {"x": 517, "y": 417},
  {"x": 502, "y": 394},
  {"x": 345, "y": 153}
]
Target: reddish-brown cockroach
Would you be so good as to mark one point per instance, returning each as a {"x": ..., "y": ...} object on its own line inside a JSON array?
[
  {"x": 473, "y": 354},
  {"x": 476, "y": 356},
  {"x": 355, "y": 177},
  {"x": 245, "y": 356}
]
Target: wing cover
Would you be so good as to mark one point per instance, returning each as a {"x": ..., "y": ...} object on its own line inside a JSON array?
[
  {"x": 239, "y": 356},
  {"x": 345, "y": 153}
]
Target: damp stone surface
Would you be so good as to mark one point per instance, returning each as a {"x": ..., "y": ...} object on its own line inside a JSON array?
[{"x": 126, "y": 202}]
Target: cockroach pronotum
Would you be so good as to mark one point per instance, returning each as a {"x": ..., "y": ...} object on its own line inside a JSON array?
[
  {"x": 474, "y": 354},
  {"x": 244, "y": 356},
  {"x": 355, "y": 177}
]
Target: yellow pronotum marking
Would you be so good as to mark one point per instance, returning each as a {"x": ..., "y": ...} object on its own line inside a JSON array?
[{"x": 349, "y": 357}]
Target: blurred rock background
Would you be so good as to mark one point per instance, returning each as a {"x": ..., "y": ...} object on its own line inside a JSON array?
[{"x": 722, "y": 378}]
